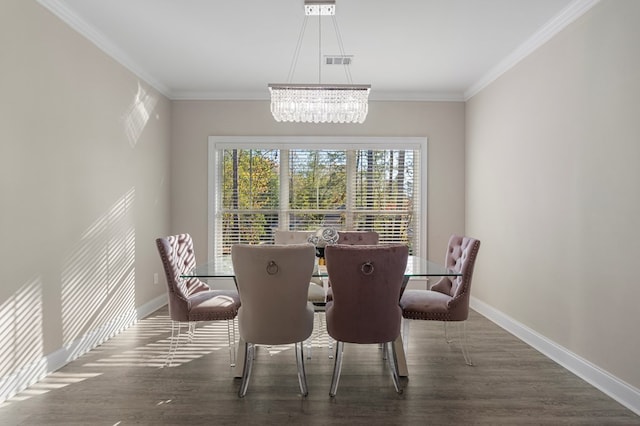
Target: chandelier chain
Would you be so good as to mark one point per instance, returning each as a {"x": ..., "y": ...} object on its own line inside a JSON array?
[
  {"x": 347, "y": 71},
  {"x": 319, "y": 49},
  {"x": 296, "y": 53}
]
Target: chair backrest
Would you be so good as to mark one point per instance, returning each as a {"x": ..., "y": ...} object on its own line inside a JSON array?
[
  {"x": 358, "y": 237},
  {"x": 178, "y": 257},
  {"x": 366, "y": 282},
  {"x": 296, "y": 237},
  {"x": 461, "y": 257},
  {"x": 291, "y": 237},
  {"x": 273, "y": 282}
]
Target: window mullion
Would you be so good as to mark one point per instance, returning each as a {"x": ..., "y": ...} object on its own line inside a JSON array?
[
  {"x": 283, "y": 216},
  {"x": 351, "y": 187}
]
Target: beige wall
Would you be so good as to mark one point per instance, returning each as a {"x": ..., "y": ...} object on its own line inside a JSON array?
[
  {"x": 441, "y": 122},
  {"x": 553, "y": 189},
  {"x": 84, "y": 157}
]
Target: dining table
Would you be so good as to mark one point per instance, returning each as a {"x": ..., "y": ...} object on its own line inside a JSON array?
[{"x": 417, "y": 267}]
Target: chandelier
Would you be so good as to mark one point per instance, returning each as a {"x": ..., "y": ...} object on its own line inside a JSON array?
[{"x": 319, "y": 103}]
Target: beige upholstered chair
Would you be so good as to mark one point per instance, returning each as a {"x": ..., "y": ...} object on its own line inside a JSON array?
[
  {"x": 366, "y": 282},
  {"x": 282, "y": 237},
  {"x": 316, "y": 293},
  {"x": 448, "y": 299},
  {"x": 358, "y": 237},
  {"x": 190, "y": 299},
  {"x": 272, "y": 281}
]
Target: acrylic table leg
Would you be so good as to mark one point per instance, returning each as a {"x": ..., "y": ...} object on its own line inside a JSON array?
[
  {"x": 240, "y": 356},
  {"x": 401, "y": 359}
]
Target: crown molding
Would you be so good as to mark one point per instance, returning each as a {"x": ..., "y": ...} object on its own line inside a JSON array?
[
  {"x": 78, "y": 24},
  {"x": 198, "y": 95},
  {"x": 573, "y": 11},
  {"x": 417, "y": 96}
]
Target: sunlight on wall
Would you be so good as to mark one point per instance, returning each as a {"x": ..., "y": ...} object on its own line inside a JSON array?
[
  {"x": 98, "y": 276},
  {"x": 138, "y": 114},
  {"x": 21, "y": 338}
]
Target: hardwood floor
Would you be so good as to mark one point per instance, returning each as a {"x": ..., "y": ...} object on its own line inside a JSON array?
[{"x": 123, "y": 382}]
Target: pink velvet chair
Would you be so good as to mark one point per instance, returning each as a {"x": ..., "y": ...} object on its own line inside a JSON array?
[
  {"x": 448, "y": 299},
  {"x": 190, "y": 299},
  {"x": 273, "y": 282},
  {"x": 366, "y": 282},
  {"x": 354, "y": 238}
]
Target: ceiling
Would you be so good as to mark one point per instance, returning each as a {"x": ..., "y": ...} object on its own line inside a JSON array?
[{"x": 406, "y": 49}]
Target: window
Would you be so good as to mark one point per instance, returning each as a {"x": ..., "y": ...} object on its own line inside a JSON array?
[{"x": 258, "y": 185}]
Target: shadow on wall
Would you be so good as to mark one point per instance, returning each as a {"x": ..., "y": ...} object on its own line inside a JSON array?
[
  {"x": 98, "y": 276},
  {"x": 21, "y": 336},
  {"x": 97, "y": 299}
]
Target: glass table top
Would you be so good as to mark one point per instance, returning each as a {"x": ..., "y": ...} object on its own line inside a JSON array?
[{"x": 222, "y": 267}]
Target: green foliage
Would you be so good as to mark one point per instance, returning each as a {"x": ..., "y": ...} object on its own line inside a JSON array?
[
  {"x": 317, "y": 180},
  {"x": 382, "y": 198},
  {"x": 257, "y": 184}
]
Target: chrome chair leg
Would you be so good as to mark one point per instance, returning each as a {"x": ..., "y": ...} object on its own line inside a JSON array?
[
  {"x": 337, "y": 368},
  {"x": 248, "y": 366},
  {"x": 302, "y": 376},
  {"x": 330, "y": 345}
]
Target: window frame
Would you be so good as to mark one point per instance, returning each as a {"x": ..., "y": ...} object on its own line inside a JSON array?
[{"x": 218, "y": 143}]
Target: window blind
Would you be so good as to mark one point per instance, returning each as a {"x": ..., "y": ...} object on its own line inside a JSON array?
[{"x": 259, "y": 190}]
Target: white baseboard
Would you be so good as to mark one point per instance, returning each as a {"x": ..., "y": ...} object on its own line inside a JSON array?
[
  {"x": 617, "y": 389},
  {"x": 37, "y": 370}
]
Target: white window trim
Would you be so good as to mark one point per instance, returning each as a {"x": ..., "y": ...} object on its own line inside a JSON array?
[{"x": 216, "y": 143}]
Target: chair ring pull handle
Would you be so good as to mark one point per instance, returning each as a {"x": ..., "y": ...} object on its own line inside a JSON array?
[
  {"x": 367, "y": 268},
  {"x": 272, "y": 267}
]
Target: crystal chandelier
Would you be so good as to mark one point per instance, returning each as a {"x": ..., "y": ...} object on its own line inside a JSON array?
[{"x": 319, "y": 103}]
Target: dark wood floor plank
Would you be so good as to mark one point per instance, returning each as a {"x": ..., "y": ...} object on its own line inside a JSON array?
[{"x": 123, "y": 383}]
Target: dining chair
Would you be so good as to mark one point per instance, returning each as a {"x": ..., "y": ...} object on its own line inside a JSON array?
[
  {"x": 272, "y": 281},
  {"x": 191, "y": 300},
  {"x": 316, "y": 293},
  {"x": 448, "y": 299},
  {"x": 355, "y": 238},
  {"x": 366, "y": 282},
  {"x": 358, "y": 237}
]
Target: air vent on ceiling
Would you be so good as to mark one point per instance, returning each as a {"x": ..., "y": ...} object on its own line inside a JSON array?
[{"x": 338, "y": 59}]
